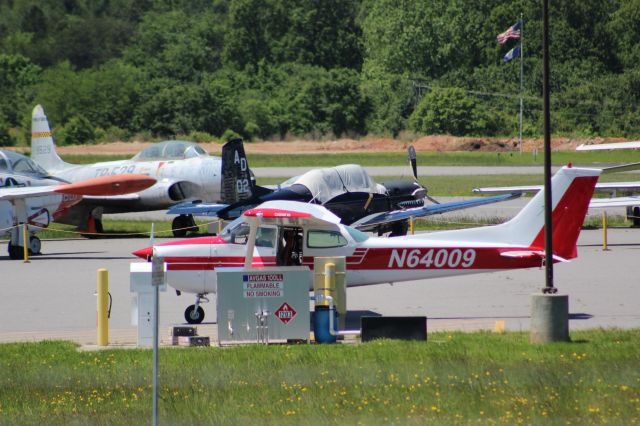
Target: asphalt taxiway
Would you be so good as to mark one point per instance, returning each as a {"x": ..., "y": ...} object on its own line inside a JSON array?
[{"x": 52, "y": 297}]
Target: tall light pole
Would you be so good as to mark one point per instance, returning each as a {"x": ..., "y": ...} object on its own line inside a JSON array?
[{"x": 548, "y": 231}]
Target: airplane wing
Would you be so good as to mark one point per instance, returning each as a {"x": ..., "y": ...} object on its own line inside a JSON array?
[
  {"x": 292, "y": 212},
  {"x": 197, "y": 208},
  {"x": 601, "y": 203},
  {"x": 604, "y": 186},
  {"x": 370, "y": 222},
  {"x": 105, "y": 185},
  {"x": 605, "y": 146}
]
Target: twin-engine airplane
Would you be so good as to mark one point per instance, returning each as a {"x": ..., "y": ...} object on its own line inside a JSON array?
[
  {"x": 40, "y": 205},
  {"x": 293, "y": 233},
  {"x": 183, "y": 170},
  {"x": 347, "y": 191}
]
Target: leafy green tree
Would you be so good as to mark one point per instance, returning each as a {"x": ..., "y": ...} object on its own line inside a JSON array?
[
  {"x": 17, "y": 76},
  {"x": 447, "y": 111},
  {"x": 77, "y": 131}
]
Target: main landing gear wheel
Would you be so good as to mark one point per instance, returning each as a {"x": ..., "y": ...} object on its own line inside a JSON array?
[
  {"x": 183, "y": 224},
  {"x": 34, "y": 245},
  {"x": 194, "y": 315},
  {"x": 15, "y": 252}
]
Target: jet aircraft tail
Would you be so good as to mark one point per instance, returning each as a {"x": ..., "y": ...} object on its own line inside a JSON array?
[
  {"x": 571, "y": 190},
  {"x": 43, "y": 149},
  {"x": 238, "y": 183}
]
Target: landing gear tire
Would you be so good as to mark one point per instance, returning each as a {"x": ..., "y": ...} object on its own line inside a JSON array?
[
  {"x": 15, "y": 252},
  {"x": 194, "y": 315},
  {"x": 183, "y": 224},
  {"x": 34, "y": 245}
]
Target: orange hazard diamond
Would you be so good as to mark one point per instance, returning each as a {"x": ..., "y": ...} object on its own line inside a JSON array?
[{"x": 285, "y": 313}]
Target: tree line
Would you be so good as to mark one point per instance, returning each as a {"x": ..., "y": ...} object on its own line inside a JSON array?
[{"x": 271, "y": 69}]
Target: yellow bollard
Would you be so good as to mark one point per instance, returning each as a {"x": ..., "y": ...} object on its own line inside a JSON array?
[
  {"x": 103, "y": 307},
  {"x": 411, "y": 224},
  {"x": 25, "y": 242},
  {"x": 604, "y": 231},
  {"x": 219, "y": 227},
  {"x": 499, "y": 326}
]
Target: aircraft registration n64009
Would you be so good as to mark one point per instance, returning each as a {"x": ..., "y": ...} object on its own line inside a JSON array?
[{"x": 283, "y": 233}]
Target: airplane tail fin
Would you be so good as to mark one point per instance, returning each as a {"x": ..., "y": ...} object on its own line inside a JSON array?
[
  {"x": 238, "y": 183},
  {"x": 571, "y": 191},
  {"x": 43, "y": 149}
]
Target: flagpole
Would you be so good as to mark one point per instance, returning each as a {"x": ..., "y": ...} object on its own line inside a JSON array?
[{"x": 521, "y": 74}]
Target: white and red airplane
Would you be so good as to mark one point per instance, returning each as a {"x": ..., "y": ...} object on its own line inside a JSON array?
[
  {"x": 292, "y": 233},
  {"x": 40, "y": 205}
]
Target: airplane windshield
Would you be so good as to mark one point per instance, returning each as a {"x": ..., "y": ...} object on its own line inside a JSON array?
[
  {"x": 24, "y": 165},
  {"x": 237, "y": 232},
  {"x": 170, "y": 150},
  {"x": 357, "y": 235}
]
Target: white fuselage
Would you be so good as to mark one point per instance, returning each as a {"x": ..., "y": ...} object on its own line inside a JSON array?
[{"x": 199, "y": 178}]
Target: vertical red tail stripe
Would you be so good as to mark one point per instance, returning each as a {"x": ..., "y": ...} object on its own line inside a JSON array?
[{"x": 568, "y": 216}]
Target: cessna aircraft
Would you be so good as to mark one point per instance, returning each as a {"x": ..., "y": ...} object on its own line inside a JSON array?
[
  {"x": 184, "y": 171},
  {"x": 293, "y": 233},
  {"x": 39, "y": 205},
  {"x": 346, "y": 190}
]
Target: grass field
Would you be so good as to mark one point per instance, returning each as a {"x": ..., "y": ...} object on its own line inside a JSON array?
[
  {"x": 454, "y": 378},
  {"x": 432, "y": 158}
]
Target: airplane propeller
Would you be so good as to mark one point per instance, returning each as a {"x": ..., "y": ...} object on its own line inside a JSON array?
[{"x": 414, "y": 168}]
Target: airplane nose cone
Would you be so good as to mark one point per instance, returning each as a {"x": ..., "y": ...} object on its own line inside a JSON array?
[{"x": 144, "y": 253}]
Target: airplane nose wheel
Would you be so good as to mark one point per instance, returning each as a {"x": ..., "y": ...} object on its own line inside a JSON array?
[{"x": 194, "y": 314}]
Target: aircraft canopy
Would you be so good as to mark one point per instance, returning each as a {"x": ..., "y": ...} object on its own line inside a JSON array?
[
  {"x": 330, "y": 182},
  {"x": 171, "y": 150},
  {"x": 12, "y": 162}
]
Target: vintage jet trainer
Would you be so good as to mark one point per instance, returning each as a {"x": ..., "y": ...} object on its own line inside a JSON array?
[
  {"x": 183, "y": 170},
  {"x": 40, "y": 205},
  {"x": 347, "y": 191},
  {"x": 292, "y": 233}
]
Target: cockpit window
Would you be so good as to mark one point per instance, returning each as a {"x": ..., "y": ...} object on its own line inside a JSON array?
[
  {"x": 28, "y": 166},
  {"x": 170, "y": 150},
  {"x": 3, "y": 165},
  {"x": 237, "y": 234},
  {"x": 358, "y": 236},
  {"x": 266, "y": 237},
  {"x": 325, "y": 239}
]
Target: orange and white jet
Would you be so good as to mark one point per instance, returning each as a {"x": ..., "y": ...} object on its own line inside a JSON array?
[
  {"x": 40, "y": 205},
  {"x": 292, "y": 233}
]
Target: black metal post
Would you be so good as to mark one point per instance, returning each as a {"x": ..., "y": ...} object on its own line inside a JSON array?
[{"x": 548, "y": 231}]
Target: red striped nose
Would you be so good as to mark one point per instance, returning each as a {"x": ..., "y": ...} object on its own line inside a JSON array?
[{"x": 144, "y": 253}]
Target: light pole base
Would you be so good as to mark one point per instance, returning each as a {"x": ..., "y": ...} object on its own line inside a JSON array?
[{"x": 549, "y": 318}]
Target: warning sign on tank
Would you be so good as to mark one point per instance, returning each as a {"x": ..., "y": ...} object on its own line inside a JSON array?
[
  {"x": 263, "y": 285},
  {"x": 285, "y": 313}
]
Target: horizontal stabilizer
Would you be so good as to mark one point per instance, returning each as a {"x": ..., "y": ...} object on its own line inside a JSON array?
[{"x": 530, "y": 254}]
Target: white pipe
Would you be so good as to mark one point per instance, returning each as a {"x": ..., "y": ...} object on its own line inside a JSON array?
[{"x": 331, "y": 325}]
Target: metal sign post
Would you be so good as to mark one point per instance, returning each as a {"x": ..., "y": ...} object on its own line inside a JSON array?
[{"x": 157, "y": 279}]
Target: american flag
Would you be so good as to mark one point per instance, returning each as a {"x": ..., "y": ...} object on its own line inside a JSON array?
[{"x": 512, "y": 32}]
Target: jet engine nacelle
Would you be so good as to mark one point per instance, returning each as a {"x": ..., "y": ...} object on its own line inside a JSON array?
[{"x": 168, "y": 192}]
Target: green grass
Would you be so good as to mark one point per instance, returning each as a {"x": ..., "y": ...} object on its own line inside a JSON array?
[
  {"x": 432, "y": 158},
  {"x": 454, "y": 378}
]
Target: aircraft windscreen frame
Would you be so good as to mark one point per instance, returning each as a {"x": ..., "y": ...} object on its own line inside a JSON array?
[{"x": 172, "y": 149}]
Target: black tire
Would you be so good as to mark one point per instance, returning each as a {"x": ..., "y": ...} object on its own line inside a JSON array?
[
  {"x": 193, "y": 315},
  {"x": 399, "y": 229},
  {"x": 15, "y": 252},
  {"x": 35, "y": 245},
  {"x": 179, "y": 225}
]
